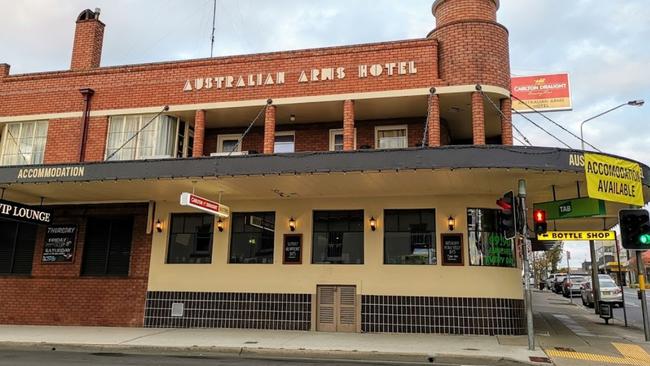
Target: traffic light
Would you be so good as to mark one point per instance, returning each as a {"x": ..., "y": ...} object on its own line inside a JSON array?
[
  {"x": 539, "y": 218},
  {"x": 635, "y": 229},
  {"x": 506, "y": 219}
]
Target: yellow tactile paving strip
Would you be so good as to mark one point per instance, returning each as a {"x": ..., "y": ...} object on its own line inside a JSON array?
[{"x": 632, "y": 355}]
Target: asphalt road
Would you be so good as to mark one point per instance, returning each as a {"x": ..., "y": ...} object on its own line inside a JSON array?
[
  {"x": 632, "y": 305},
  {"x": 61, "y": 358}
]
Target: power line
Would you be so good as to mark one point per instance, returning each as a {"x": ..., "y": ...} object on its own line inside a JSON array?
[
  {"x": 555, "y": 123},
  {"x": 518, "y": 140},
  {"x": 542, "y": 128},
  {"x": 165, "y": 109},
  {"x": 425, "y": 136},
  {"x": 239, "y": 141},
  {"x": 485, "y": 97}
]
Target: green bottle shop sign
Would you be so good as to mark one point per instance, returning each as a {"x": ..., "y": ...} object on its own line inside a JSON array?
[{"x": 572, "y": 208}]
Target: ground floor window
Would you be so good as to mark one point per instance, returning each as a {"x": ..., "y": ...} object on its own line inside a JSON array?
[
  {"x": 253, "y": 237},
  {"x": 107, "y": 247},
  {"x": 17, "y": 242},
  {"x": 190, "y": 238},
  {"x": 338, "y": 237},
  {"x": 410, "y": 236},
  {"x": 488, "y": 247}
]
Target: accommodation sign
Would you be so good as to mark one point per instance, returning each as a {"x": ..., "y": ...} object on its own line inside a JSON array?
[
  {"x": 614, "y": 179},
  {"x": 59, "y": 244},
  {"x": 28, "y": 214},
  {"x": 365, "y": 71}
]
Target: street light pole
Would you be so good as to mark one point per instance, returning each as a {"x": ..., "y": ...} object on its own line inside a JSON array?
[{"x": 634, "y": 103}]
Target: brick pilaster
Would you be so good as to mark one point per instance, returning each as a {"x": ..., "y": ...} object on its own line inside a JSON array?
[
  {"x": 478, "y": 119},
  {"x": 348, "y": 125},
  {"x": 434, "y": 121},
  {"x": 199, "y": 133},
  {"x": 269, "y": 129},
  {"x": 506, "y": 121}
]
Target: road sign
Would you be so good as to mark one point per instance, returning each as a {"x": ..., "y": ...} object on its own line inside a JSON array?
[
  {"x": 571, "y": 208},
  {"x": 577, "y": 235}
]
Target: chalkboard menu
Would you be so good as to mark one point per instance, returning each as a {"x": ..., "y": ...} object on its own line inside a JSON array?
[
  {"x": 292, "y": 253},
  {"x": 452, "y": 250},
  {"x": 59, "y": 244}
]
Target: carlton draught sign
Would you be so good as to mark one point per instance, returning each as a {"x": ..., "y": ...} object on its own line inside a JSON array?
[{"x": 541, "y": 92}]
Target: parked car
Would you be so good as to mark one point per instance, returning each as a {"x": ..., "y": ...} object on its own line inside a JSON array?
[
  {"x": 557, "y": 283},
  {"x": 572, "y": 285},
  {"x": 609, "y": 291}
]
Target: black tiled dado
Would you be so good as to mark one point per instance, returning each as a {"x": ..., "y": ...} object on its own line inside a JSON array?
[
  {"x": 422, "y": 314},
  {"x": 229, "y": 310}
]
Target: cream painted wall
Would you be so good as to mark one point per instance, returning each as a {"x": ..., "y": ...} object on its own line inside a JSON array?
[{"x": 373, "y": 277}]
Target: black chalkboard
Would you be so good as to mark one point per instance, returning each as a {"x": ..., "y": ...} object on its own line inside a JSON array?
[
  {"x": 59, "y": 244},
  {"x": 452, "y": 250},
  {"x": 292, "y": 253}
]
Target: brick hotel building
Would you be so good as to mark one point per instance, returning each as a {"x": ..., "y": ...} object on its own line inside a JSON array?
[{"x": 362, "y": 199}]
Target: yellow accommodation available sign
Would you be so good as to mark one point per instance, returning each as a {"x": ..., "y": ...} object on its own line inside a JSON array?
[
  {"x": 577, "y": 235},
  {"x": 613, "y": 179}
]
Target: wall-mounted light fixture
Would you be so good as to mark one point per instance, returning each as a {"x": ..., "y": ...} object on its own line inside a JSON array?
[
  {"x": 292, "y": 118},
  {"x": 451, "y": 222},
  {"x": 373, "y": 223},
  {"x": 159, "y": 226},
  {"x": 220, "y": 225},
  {"x": 292, "y": 224}
]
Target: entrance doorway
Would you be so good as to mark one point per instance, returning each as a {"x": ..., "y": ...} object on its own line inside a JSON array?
[{"x": 337, "y": 308}]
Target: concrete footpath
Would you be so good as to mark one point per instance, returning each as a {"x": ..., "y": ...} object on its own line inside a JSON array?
[{"x": 418, "y": 348}]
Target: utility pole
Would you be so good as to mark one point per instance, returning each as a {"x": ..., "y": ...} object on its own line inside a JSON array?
[
  {"x": 568, "y": 272},
  {"x": 526, "y": 255},
  {"x": 595, "y": 285},
  {"x": 644, "y": 306}
]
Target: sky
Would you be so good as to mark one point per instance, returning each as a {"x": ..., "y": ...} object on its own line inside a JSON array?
[{"x": 603, "y": 45}]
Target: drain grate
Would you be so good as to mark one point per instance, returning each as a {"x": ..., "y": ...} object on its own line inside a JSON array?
[{"x": 539, "y": 359}]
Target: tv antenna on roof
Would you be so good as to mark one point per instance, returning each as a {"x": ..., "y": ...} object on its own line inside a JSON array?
[{"x": 214, "y": 15}]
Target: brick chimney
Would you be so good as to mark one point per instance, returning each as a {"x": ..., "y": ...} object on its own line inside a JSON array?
[
  {"x": 88, "y": 40},
  {"x": 4, "y": 70}
]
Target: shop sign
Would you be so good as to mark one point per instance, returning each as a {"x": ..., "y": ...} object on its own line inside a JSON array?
[
  {"x": 577, "y": 235},
  {"x": 204, "y": 204},
  {"x": 614, "y": 179},
  {"x": 572, "y": 208},
  {"x": 50, "y": 172},
  {"x": 542, "y": 92},
  {"x": 23, "y": 213},
  {"x": 313, "y": 75},
  {"x": 59, "y": 244}
]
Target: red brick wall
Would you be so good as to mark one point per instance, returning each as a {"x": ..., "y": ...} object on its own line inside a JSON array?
[
  {"x": 449, "y": 11},
  {"x": 56, "y": 294},
  {"x": 63, "y": 140},
  {"x": 96, "y": 143}
]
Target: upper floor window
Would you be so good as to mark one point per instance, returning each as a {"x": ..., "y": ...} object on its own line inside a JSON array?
[
  {"x": 285, "y": 142},
  {"x": 23, "y": 143},
  {"x": 157, "y": 137},
  {"x": 229, "y": 143},
  {"x": 336, "y": 139},
  {"x": 391, "y": 137}
]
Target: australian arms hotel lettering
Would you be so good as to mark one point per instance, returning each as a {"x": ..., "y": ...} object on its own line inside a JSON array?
[{"x": 389, "y": 69}]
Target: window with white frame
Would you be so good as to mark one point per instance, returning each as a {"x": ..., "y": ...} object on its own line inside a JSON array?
[
  {"x": 23, "y": 143},
  {"x": 156, "y": 140},
  {"x": 228, "y": 143},
  {"x": 391, "y": 137},
  {"x": 336, "y": 139},
  {"x": 284, "y": 142}
]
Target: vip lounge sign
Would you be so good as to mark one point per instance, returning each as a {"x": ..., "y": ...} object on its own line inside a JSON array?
[
  {"x": 23, "y": 213},
  {"x": 614, "y": 179},
  {"x": 204, "y": 204}
]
